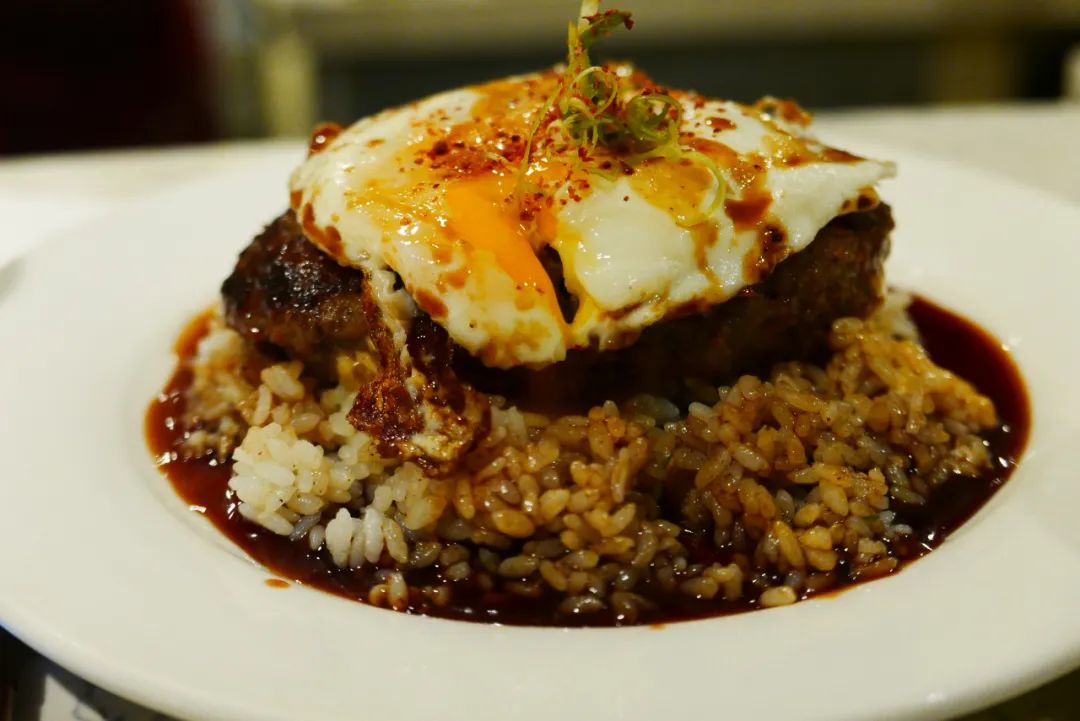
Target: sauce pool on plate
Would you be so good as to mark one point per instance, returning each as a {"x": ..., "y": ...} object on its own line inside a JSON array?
[{"x": 952, "y": 341}]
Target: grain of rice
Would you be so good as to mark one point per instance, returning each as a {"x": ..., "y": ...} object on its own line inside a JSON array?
[
  {"x": 373, "y": 533},
  {"x": 458, "y": 572},
  {"x": 397, "y": 592},
  {"x": 822, "y": 560},
  {"x": 424, "y": 554},
  {"x": 261, "y": 413},
  {"x": 303, "y": 527},
  {"x": 316, "y": 537},
  {"x": 582, "y": 560},
  {"x": 834, "y": 497},
  {"x": 518, "y": 566},
  {"x": 777, "y": 596},
  {"x": 788, "y": 544},
  {"x": 513, "y": 523},
  {"x": 394, "y": 539},
  {"x": 339, "y": 533},
  {"x": 581, "y": 604}
]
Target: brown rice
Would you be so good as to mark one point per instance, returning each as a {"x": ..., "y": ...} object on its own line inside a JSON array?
[{"x": 766, "y": 489}]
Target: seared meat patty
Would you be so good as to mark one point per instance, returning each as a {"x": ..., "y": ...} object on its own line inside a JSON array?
[
  {"x": 291, "y": 299},
  {"x": 787, "y": 316}
]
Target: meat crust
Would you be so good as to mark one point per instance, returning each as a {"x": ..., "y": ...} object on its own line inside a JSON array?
[{"x": 290, "y": 299}]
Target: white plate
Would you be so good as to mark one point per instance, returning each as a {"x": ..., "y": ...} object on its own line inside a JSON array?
[{"x": 104, "y": 570}]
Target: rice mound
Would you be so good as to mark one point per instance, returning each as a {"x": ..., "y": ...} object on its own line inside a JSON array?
[{"x": 789, "y": 477}]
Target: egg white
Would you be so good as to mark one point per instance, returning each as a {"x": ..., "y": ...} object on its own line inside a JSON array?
[{"x": 630, "y": 261}]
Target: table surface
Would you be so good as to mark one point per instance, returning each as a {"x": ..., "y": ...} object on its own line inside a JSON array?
[{"x": 1038, "y": 144}]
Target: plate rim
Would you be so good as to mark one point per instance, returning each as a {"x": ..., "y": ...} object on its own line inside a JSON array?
[{"x": 87, "y": 663}]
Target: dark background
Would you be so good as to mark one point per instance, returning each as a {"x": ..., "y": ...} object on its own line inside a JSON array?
[{"x": 116, "y": 73}]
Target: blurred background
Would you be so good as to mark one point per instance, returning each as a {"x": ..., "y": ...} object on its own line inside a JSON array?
[{"x": 87, "y": 74}]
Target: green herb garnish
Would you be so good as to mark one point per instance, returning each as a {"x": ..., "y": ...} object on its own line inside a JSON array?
[{"x": 596, "y": 107}]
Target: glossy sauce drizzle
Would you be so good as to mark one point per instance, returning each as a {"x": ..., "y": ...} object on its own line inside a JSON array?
[{"x": 952, "y": 341}]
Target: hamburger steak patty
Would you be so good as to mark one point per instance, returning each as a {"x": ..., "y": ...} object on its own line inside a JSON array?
[
  {"x": 290, "y": 299},
  {"x": 786, "y": 316}
]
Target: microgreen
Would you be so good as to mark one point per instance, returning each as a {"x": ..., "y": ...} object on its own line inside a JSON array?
[{"x": 594, "y": 106}]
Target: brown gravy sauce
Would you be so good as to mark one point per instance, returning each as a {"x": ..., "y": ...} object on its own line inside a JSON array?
[{"x": 952, "y": 341}]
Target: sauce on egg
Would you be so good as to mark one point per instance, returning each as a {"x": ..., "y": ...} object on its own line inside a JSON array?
[
  {"x": 460, "y": 193},
  {"x": 322, "y": 136}
]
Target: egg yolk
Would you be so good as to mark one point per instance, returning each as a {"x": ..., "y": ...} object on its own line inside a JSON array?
[{"x": 483, "y": 214}]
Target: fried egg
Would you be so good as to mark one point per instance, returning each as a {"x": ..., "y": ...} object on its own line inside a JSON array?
[{"x": 523, "y": 248}]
